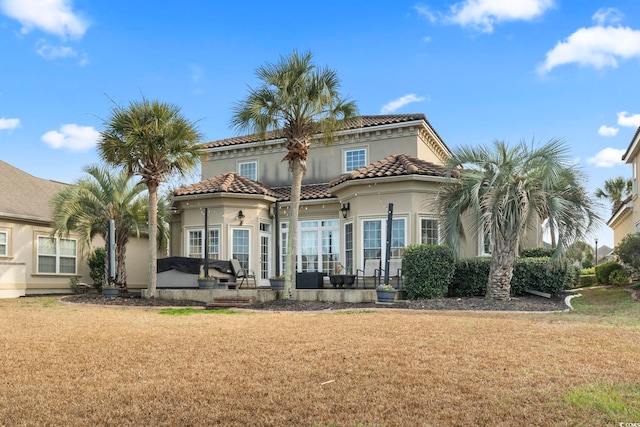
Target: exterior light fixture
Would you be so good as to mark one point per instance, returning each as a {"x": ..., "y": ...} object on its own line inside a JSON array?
[
  {"x": 240, "y": 217},
  {"x": 345, "y": 210}
]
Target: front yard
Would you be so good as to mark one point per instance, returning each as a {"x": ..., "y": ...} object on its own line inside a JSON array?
[{"x": 81, "y": 365}]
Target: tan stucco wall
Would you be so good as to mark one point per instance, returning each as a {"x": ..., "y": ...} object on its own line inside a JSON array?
[
  {"x": 18, "y": 271},
  {"x": 623, "y": 227},
  {"x": 325, "y": 162}
]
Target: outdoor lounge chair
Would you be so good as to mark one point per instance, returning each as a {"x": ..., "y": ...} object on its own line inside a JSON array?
[
  {"x": 242, "y": 274},
  {"x": 371, "y": 271}
]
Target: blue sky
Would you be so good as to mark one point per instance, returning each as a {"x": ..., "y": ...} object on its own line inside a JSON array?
[{"x": 479, "y": 69}]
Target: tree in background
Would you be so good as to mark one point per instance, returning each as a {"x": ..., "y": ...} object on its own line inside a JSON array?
[
  {"x": 628, "y": 250},
  {"x": 296, "y": 100},
  {"x": 614, "y": 189},
  {"x": 86, "y": 208},
  {"x": 508, "y": 191},
  {"x": 153, "y": 140},
  {"x": 581, "y": 252}
]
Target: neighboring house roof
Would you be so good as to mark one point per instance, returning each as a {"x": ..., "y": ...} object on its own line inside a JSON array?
[
  {"x": 360, "y": 122},
  {"x": 621, "y": 211},
  {"x": 230, "y": 182},
  {"x": 394, "y": 165},
  {"x": 633, "y": 145},
  {"x": 25, "y": 196}
]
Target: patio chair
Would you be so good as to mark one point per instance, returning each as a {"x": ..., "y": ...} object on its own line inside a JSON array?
[
  {"x": 243, "y": 274},
  {"x": 371, "y": 271},
  {"x": 395, "y": 272}
]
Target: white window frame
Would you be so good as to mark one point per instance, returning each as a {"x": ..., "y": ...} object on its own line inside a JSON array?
[
  {"x": 634, "y": 179},
  {"x": 383, "y": 235},
  {"x": 349, "y": 267},
  {"x": 189, "y": 253},
  {"x": 232, "y": 244},
  {"x": 4, "y": 243},
  {"x": 56, "y": 255},
  {"x": 345, "y": 165},
  {"x": 319, "y": 228},
  {"x": 483, "y": 236},
  {"x": 421, "y": 238},
  {"x": 253, "y": 163}
]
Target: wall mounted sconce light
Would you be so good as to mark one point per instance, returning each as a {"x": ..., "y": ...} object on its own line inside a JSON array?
[
  {"x": 345, "y": 210},
  {"x": 240, "y": 217}
]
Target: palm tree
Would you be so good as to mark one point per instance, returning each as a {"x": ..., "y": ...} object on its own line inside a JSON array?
[
  {"x": 507, "y": 191},
  {"x": 153, "y": 140},
  {"x": 86, "y": 208},
  {"x": 614, "y": 189},
  {"x": 296, "y": 100}
]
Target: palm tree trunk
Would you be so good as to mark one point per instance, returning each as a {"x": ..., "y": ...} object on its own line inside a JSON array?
[
  {"x": 501, "y": 269},
  {"x": 297, "y": 172},
  {"x": 121, "y": 255},
  {"x": 153, "y": 230}
]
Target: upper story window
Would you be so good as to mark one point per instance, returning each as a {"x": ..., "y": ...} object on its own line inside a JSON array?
[
  {"x": 56, "y": 255},
  {"x": 4, "y": 243},
  {"x": 248, "y": 170},
  {"x": 634, "y": 173},
  {"x": 355, "y": 159}
]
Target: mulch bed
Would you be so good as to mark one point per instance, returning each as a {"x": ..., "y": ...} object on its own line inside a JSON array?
[{"x": 528, "y": 303}]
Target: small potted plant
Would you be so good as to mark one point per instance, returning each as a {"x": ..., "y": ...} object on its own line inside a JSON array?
[
  {"x": 337, "y": 279},
  {"x": 110, "y": 289},
  {"x": 277, "y": 282},
  {"x": 206, "y": 282},
  {"x": 386, "y": 293}
]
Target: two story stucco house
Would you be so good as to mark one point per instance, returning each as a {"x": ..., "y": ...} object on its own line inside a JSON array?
[
  {"x": 349, "y": 185},
  {"x": 625, "y": 218}
]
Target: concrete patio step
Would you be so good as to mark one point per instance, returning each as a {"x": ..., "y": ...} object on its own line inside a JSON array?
[{"x": 226, "y": 302}]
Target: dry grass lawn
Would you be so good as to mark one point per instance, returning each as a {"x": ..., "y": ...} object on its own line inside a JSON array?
[{"x": 81, "y": 365}]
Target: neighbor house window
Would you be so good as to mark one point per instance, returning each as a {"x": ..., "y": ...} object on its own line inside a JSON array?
[
  {"x": 487, "y": 247},
  {"x": 56, "y": 255},
  {"x": 195, "y": 244},
  {"x": 429, "y": 234},
  {"x": 240, "y": 246},
  {"x": 355, "y": 159},
  {"x": 248, "y": 170},
  {"x": 4, "y": 243}
]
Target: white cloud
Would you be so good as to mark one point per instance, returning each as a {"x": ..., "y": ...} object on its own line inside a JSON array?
[
  {"x": 72, "y": 137},
  {"x": 607, "y": 131},
  {"x": 197, "y": 73},
  {"x": 607, "y": 158},
  {"x": 9, "y": 123},
  {"x": 426, "y": 12},
  {"x": 50, "y": 16},
  {"x": 48, "y": 51},
  {"x": 610, "y": 15},
  {"x": 484, "y": 14},
  {"x": 624, "y": 119},
  {"x": 396, "y": 104},
  {"x": 597, "y": 46}
]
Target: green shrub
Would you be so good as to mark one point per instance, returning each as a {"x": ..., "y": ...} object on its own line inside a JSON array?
[
  {"x": 628, "y": 250},
  {"x": 537, "y": 253},
  {"x": 590, "y": 270},
  {"x": 97, "y": 263},
  {"x": 470, "y": 278},
  {"x": 427, "y": 271},
  {"x": 619, "y": 278},
  {"x": 586, "y": 263},
  {"x": 587, "y": 280},
  {"x": 538, "y": 274},
  {"x": 542, "y": 274},
  {"x": 603, "y": 271}
]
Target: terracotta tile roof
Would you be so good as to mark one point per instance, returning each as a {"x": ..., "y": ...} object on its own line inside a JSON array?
[
  {"x": 230, "y": 182},
  {"x": 25, "y": 195},
  {"x": 395, "y": 165},
  {"x": 308, "y": 192},
  {"x": 360, "y": 122}
]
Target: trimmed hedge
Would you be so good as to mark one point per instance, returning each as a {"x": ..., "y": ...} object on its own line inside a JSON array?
[
  {"x": 603, "y": 271},
  {"x": 538, "y": 274},
  {"x": 537, "y": 253},
  {"x": 427, "y": 271},
  {"x": 587, "y": 280}
]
